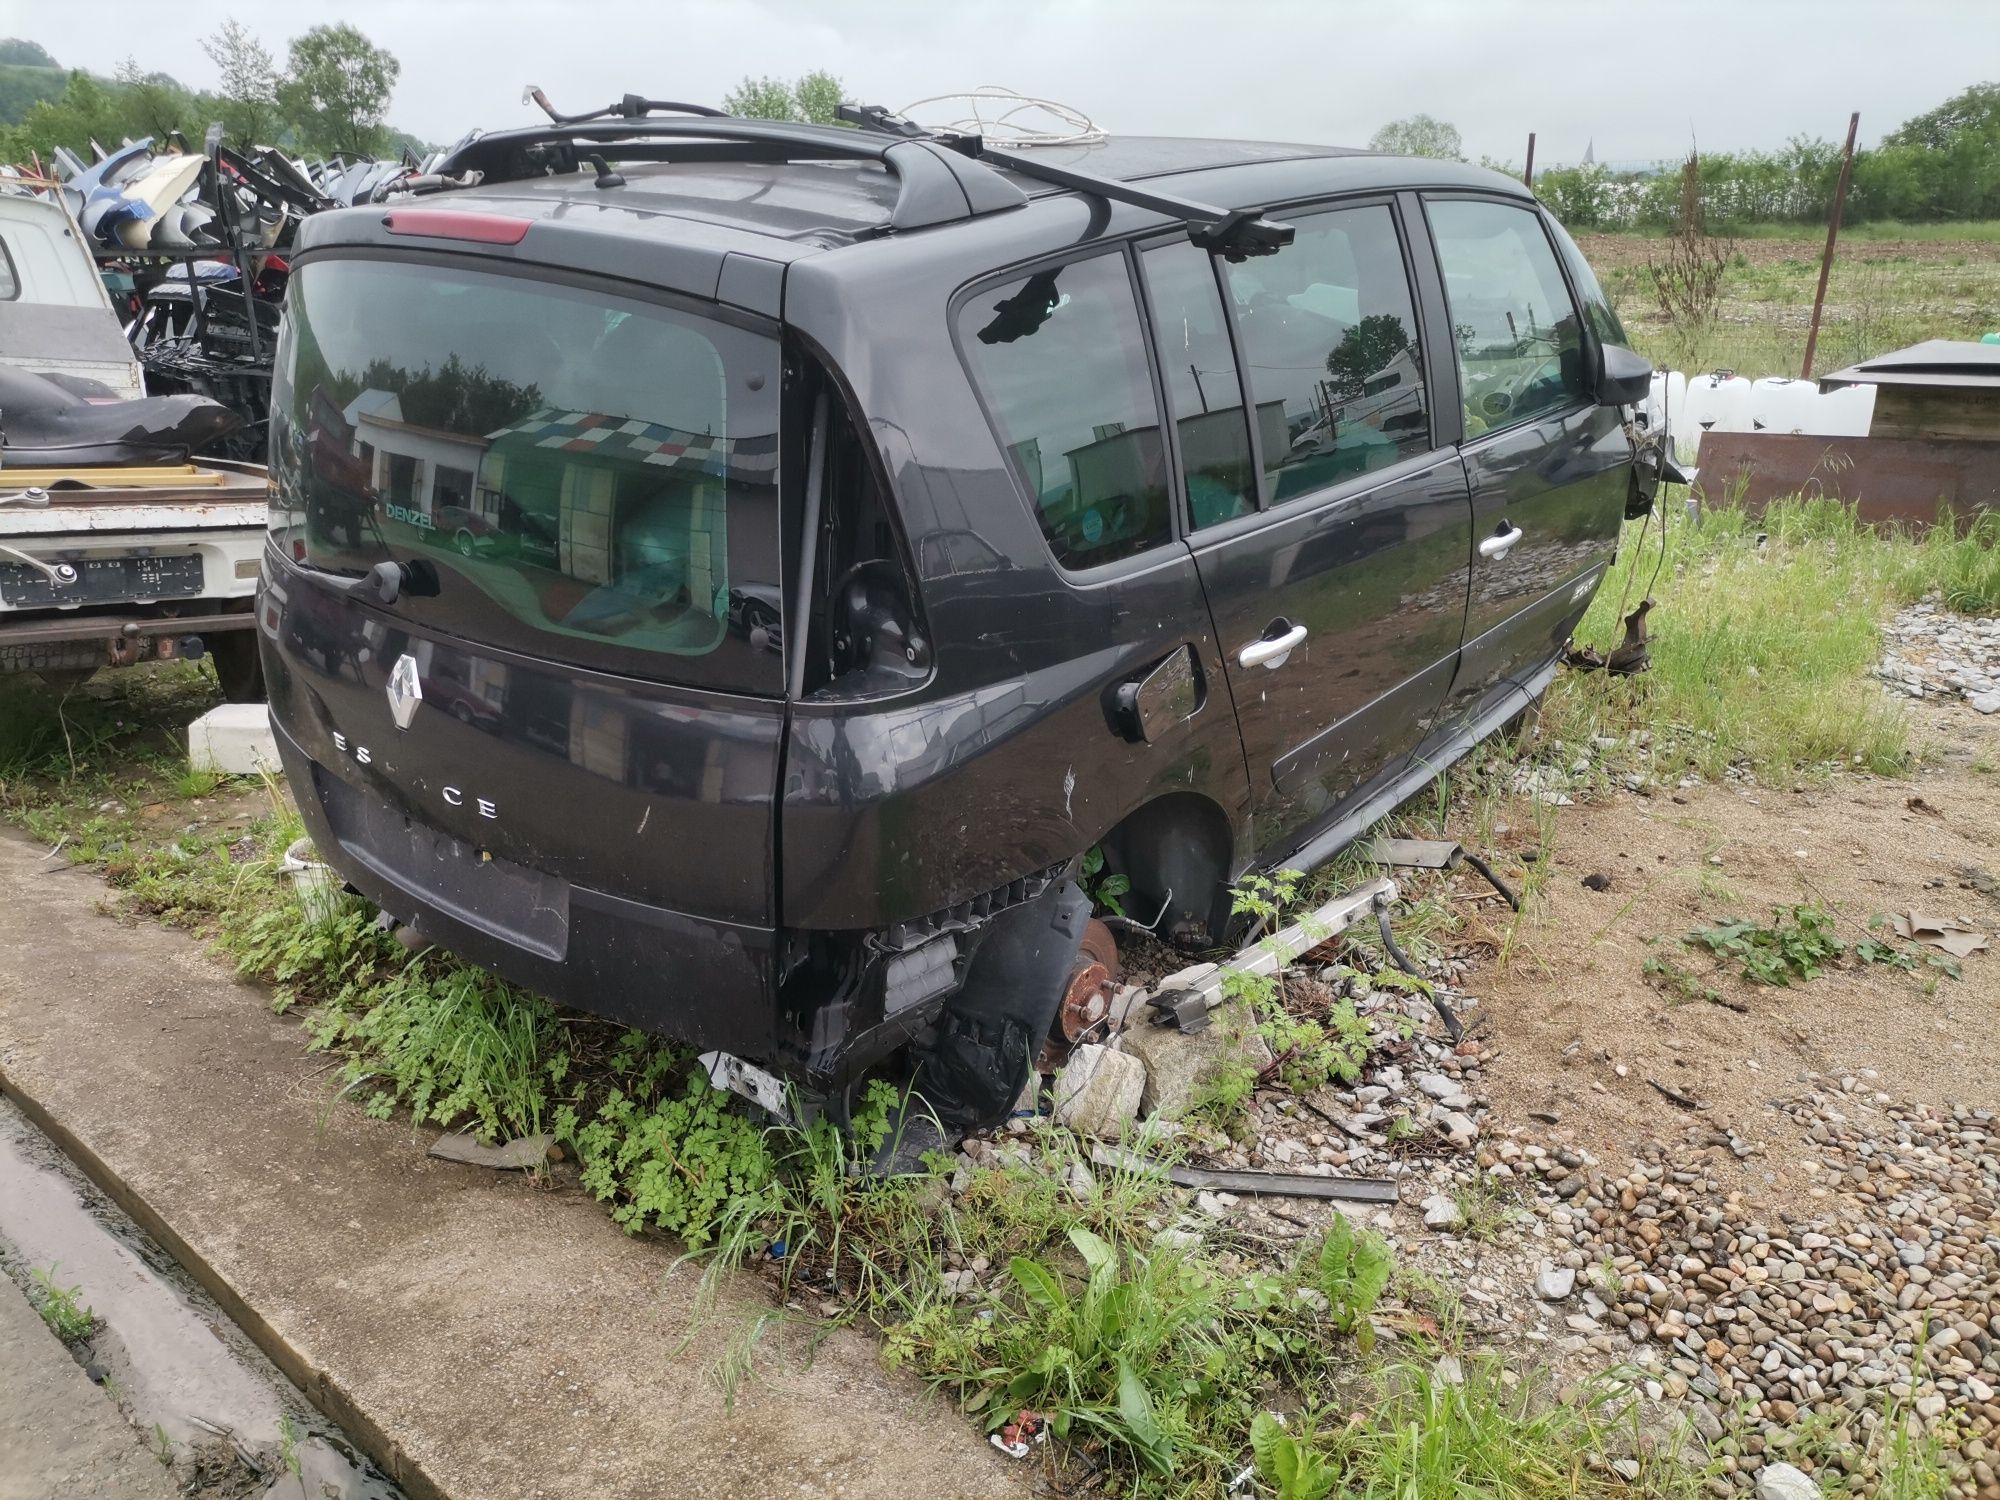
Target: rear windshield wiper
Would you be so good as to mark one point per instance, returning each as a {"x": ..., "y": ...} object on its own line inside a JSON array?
[{"x": 386, "y": 582}]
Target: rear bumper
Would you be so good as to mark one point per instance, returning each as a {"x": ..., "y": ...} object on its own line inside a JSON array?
[{"x": 705, "y": 983}]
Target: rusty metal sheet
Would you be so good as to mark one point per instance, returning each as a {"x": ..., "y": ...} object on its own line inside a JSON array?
[{"x": 1888, "y": 479}]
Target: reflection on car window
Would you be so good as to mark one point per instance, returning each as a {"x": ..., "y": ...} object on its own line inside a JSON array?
[
  {"x": 1330, "y": 339},
  {"x": 1061, "y": 360},
  {"x": 1597, "y": 309},
  {"x": 588, "y": 466},
  {"x": 1199, "y": 367},
  {"x": 1518, "y": 338}
]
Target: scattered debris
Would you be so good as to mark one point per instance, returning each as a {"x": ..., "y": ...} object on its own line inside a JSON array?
[
  {"x": 1277, "y": 1184},
  {"x": 1016, "y": 1437},
  {"x": 1953, "y": 936},
  {"x": 1935, "y": 652},
  {"x": 519, "y": 1155},
  {"x": 1597, "y": 882},
  {"x": 1673, "y": 1096}
]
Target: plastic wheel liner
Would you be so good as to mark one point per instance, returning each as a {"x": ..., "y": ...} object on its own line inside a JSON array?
[{"x": 987, "y": 1037}]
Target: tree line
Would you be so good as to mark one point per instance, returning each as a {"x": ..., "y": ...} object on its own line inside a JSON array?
[
  {"x": 330, "y": 97},
  {"x": 1942, "y": 166}
]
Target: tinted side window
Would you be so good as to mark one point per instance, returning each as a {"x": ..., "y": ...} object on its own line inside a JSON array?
[
  {"x": 1597, "y": 309},
  {"x": 1330, "y": 341},
  {"x": 1520, "y": 344},
  {"x": 1061, "y": 360},
  {"x": 1199, "y": 368}
]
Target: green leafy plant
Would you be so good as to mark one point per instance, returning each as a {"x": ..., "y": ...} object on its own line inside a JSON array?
[
  {"x": 1265, "y": 897},
  {"x": 1292, "y": 1469},
  {"x": 1106, "y": 890},
  {"x": 60, "y": 1307},
  {"x": 1088, "y": 1348},
  {"x": 1351, "y": 1270},
  {"x": 288, "y": 1442},
  {"x": 1798, "y": 944},
  {"x": 1677, "y": 982},
  {"x": 680, "y": 1164},
  {"x": 1310, "y": 1053}
]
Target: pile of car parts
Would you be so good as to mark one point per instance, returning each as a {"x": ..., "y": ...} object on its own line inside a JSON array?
[{"x": 195, "y": 245}]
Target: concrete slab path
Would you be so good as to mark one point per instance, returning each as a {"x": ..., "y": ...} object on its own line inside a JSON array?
[
  {"x": 483, "y": 1338},
  {"x": 60, "y": 1436}
]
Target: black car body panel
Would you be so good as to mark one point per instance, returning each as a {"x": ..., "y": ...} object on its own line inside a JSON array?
[{"x": 874, "y": 671}]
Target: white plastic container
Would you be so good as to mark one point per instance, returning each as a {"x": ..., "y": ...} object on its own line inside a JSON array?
[
  {"x": 1720, "y": 403},
  {"x": 319, "y": 888},
  {"x": 1846, "y": 411},
  {"x": 1781, "y": 405}
]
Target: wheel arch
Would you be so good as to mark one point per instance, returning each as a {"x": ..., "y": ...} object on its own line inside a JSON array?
[{"x": 1177, "y": 850}]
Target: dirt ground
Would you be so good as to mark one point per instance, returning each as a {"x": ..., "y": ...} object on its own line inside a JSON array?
[
  {"x": 1623, "y": 251},
  {"x": 1581, "y": 1033}
]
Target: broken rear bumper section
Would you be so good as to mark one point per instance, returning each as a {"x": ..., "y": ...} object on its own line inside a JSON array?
[{"x": 975, "y": 986}]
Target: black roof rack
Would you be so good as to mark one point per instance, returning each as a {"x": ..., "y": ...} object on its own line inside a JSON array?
[
  {"x": 941, "y": 178},
  {"x": 1235, "y": 232},
  {"x": 935, "y": 185}
]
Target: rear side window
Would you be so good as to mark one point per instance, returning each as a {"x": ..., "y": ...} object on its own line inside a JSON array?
[
  {"x": 1199, "y": 368},
  {"x": 1519, "y": 340},
  {"x": 1060, "y": 358},
  {"x": 10, "y": 284},
  {"x": 1330, "y": 340},
  {"x": 593, "y": 478}
]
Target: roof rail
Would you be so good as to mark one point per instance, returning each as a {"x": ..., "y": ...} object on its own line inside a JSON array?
[
  {"x": 935, "y": 185},
  {"x": 1235, "y": 232},
  {"x": 941, "y": 178}
]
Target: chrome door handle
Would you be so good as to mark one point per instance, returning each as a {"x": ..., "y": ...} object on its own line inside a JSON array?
[
  {"x": 1271, "y": 654},
  {"x": 1500, "y": 543}
]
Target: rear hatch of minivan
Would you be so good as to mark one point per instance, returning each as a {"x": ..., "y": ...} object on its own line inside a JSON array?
[{"x": 556, "y": 747}]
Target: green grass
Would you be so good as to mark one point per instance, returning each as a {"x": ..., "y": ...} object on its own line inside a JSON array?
[
  {"x": 1874, "y": 303},
  {"x": 1431, "y": 1436},
  {"x": 1976, "y": 231},
  {"x": 68, "y": 1319},
  {"x": 1763, "y": 638},
  {"x": 1162, "y": 1365}
]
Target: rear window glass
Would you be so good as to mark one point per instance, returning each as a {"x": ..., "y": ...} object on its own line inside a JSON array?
[
  {"x": 592, "y": 479},
  {"x": 1061, "y": 360}
]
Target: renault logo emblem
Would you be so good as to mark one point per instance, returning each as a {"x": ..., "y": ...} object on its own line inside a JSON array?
[{"x": 405, "y": 691}]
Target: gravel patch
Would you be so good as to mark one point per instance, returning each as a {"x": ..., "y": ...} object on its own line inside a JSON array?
[
  {"x": 1886, "y": 1298},
  {"x": 1929, "y": 651}
]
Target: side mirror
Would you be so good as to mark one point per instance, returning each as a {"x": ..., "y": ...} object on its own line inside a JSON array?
[{"x": 1624, "y": 378}]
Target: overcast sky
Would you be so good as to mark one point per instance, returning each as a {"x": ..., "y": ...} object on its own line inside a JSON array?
[{"x": 1636, "y": 79}]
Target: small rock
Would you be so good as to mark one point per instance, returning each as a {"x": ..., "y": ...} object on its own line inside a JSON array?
[
  {"x": 1177, "y": 1066},
  {"x": 1098, "y": 1093},
  {"x": 1458, "y": 1129},
  {"x": 1783, "y": 1482},
  {"x": 1441, "y": 1212},
  {"x": 1986, "y": 703},
  {"x": 1553, "y": 1283}
]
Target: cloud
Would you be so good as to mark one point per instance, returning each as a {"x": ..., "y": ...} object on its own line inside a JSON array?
[{"x": 1638, "y": 81}]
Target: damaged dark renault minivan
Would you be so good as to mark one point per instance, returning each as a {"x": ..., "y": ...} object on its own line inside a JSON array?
[{"x": 725, "y": 575}]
